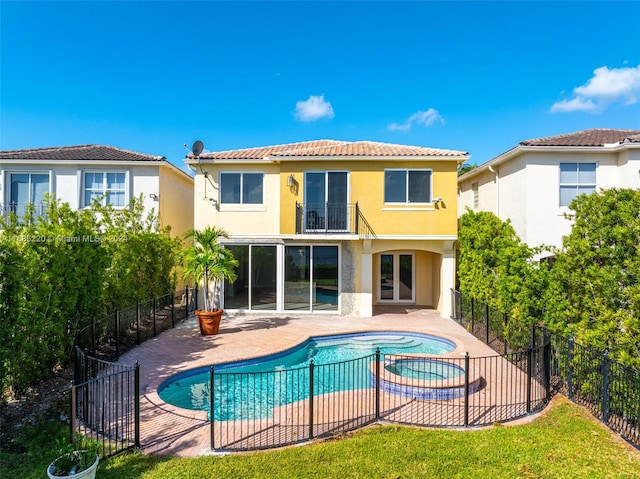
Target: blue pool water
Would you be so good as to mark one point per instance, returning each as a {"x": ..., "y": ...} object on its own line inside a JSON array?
[{"x": 251, "y": 389}]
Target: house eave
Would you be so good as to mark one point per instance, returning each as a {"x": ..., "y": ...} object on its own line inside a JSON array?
[{"x": 521, "y": 149}]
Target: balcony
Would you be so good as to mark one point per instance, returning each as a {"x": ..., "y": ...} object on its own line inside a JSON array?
[{"x": 332, "y": 218}]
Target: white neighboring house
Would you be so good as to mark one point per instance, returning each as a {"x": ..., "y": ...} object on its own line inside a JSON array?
[
  {"x": 533, "y": 183},
  {"x": 77, "y": 174}
]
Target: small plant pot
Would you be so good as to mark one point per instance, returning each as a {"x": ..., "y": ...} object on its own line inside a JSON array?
[
  {"x": 88, "y": 473},
  {"x": 209, "y": 321}
]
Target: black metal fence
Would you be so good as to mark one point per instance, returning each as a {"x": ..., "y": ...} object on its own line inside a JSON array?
[
  {"x": 251, "y": 410},
  {"x": 110, "y": 337},
  {"x": 105, "y": 404},
  {"x": 332, "y": 218},
  {"x": 105, "y": 397},
  {"x": 608, "y": 389}
]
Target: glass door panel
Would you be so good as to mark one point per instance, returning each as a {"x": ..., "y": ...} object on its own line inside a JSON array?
[
  {"x": 325, "y": 278},
  {"x": 297, "y": 278},
  {"x": 405, "y": 278},
  {"x": 337, "y": 200},
  {"x": 236, "y": 294},
  {"x": 315, "y": 188},
  {"x": 263, "y": 277},
  {"x": 386, "y": 276}
]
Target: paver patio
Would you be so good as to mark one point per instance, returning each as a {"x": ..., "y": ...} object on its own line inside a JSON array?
[{"x": 166, "y": 429}]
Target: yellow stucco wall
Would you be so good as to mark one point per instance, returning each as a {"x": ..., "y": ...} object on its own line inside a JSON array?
[
  {"x": 238, "y": 220},
  {"x": 366, "y": 186},
  {"x": 175, "y": 200}
]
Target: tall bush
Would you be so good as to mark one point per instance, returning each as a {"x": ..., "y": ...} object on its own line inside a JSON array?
[
  {"x": 595, "y": 280},
  {"x": 62, "y": 270},
  {"x": 495, "y": 267}
]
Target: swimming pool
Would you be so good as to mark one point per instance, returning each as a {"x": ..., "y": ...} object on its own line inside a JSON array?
[{"x": 264, "y": 383}]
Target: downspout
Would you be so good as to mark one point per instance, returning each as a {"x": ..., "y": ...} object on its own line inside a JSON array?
[{"x": 497, "y": 183}]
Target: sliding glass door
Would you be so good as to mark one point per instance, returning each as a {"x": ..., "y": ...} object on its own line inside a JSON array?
[
  {"x": 326, "y": 198},
  {"x": 256, "y": 283},
  {"x": 311, "y": 278}
]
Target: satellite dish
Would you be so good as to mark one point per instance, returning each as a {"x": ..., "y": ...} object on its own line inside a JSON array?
[{"x": 197, "y": 148}]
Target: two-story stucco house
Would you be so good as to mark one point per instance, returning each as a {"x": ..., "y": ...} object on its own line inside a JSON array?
[
  {"x": 333, "y": 226},
  {"x": 78, "y": 174},
  {"x": 533, "y": 183}
]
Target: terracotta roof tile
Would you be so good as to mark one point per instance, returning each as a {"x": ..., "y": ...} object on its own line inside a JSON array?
[
  {"x": 591, "y": 137},
  {"x": 79, "y": 152},
  {"x": 324, "y": 148}
]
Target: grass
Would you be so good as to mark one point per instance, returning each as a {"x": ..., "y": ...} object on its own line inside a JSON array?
[{"x": 563, "y": 443}]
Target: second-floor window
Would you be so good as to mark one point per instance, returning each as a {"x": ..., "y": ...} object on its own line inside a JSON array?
[
  {"x": 241, "y": 188},
  {"x": 407, "y": 186},
  {"x": 110, "y": 186},
  {"x": 28, "y": 188},
  {"x": 576, "y": 179}
]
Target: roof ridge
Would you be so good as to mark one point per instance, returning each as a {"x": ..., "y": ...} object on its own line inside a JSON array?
[{"x": 267, "y": 147}]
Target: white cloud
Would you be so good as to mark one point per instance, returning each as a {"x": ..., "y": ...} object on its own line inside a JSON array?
[
  {"x": 426, "y": 118},
  {"x": 606, "y": 86},
  {"x": 314, "y": 108}
]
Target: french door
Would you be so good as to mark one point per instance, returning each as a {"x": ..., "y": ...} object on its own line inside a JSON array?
[
  {"x": 397, "y": 277},
  {"x": 326, "y": 196}
]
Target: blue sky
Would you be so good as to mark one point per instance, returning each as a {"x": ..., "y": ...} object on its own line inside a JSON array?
[{"x": 473, "y": 76}]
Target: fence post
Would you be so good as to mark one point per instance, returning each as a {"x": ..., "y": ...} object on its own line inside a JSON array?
[
  {"x": 137, "y": 404},
  {"x": 529, "y": 376},
  {"x": 570, "y": 368},
  {"x": 504, "y": 340},
  {"x": 466, "y": 389},
  {"x": 72, "y": 417},
  {"x": 357, "y": 217},
  {"x": 173, "y": 312},
  {"x": 311, "y": 367},
  {"x": 487, "y": 324},
  {"x": 93, "y": 337},
  {"x": 154, "y": 317},
  {"x": 377, "y": 383},
  {"x": 138, "y": 323},
  {"x": 118, "y": 334},
  {"x": 211, "y": 410},
  {"x": 473, "y": 314},
  {"x": 605, "y": 387},
  {"x": 186, "y": 304},
  {"x": 533, "y": 337},
  {"x": 547, "y": 362}
]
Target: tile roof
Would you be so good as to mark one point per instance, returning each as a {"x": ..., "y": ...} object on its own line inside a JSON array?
[
  {"x": 325, "y": 148},
  {"x": 591, "y": 137},
  {"x": 79, "y": 152}
]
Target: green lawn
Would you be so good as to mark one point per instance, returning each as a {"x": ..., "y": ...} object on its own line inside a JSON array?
[{"x": 564, "y": 443}]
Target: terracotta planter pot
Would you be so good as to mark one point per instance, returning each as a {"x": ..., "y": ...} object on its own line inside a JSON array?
[{"x": 209, "y": 321}]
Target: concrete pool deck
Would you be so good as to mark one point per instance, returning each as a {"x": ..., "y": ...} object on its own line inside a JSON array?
[{"x": 169, "y": 430}]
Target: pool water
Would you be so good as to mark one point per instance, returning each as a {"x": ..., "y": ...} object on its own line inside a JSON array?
[{"x": 251, "y": 389}]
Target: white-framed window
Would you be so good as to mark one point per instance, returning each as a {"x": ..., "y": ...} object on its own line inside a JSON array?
[
  {"x": 26, "y": 188},
  {"x": 576, "y": 179},
  {"x": 407, "y": 186},
  {"x": 110, "y": 186},
  {"x": 241, "y": 188}
]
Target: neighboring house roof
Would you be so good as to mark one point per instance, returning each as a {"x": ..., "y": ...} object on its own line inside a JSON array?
[
  {"x": 593, "y": 138},
  {"x": 330, "y": 148},
  {"x": 79, "y": 152}
]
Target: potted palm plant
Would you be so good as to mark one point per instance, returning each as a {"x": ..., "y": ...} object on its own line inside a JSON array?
[
  {"x": 81, "y": 464},
  {"x": 208, "y": 263}
]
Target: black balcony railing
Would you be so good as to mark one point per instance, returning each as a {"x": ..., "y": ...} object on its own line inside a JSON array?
[
  {"x": 331, "y": 218},
  {"x": 22, "y": 210}
]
